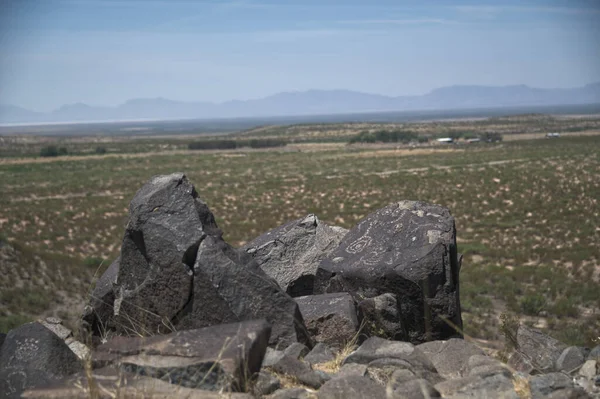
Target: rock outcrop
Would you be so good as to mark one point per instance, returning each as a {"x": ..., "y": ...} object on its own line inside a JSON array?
[
  {"x": 181, "y": 313},
  {"x": 176, "y": 272},
  {"x": 407, "y": 249},
  {"x": 291, "y": 253},
  {"x": 32, "y": 356}
]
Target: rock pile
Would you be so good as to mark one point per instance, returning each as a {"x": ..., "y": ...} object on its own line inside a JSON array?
[{"x": 306, "y": 310}]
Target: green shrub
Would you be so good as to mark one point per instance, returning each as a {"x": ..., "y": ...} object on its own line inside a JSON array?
[
  {"x": 565, "y": 307},
  {"x": 9, "y": 322},
  {"x": 93, "y": 262},
  {"x": 53, "y": 151},
  {"x": 532, "y": 304},
  {"x": 212, "y": 145},
  {"x": 100, "y": 150}
]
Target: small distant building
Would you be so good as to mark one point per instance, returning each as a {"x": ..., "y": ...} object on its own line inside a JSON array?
[
  {"x": 447, "y": 140},
  {"x": 552, "y": 135}
]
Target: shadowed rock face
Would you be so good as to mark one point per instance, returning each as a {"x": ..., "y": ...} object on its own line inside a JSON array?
[
  {"x": 176, "y": 272},
  {"x": 330, "y": 318},
  {"x": 291, "y": 253},
  {"x": 31, "y": 356},
  {"x": 226, "y": 287},
  {"x": 167, "y": 223},
  {"x": 407, "y": 249}
]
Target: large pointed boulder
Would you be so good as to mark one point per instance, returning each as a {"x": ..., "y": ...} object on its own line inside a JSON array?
[{"x": 176, "y": 272}]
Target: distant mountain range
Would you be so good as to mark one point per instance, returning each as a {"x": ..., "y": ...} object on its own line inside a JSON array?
[{"x": 312, "y": 102}]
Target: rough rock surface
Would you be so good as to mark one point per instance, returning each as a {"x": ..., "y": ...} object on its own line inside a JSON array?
[
  {"x": 330, "y": 318},
  {"x": 109, "y": 383},
  {"x": 543, "y": 385},
  {"x": 98, "y": 313},
  {"x": 451, "y": 357},
  {"x": 291, "y": 253},
  {"x": 176, "y": 272},
  {"x": 226, "y": 287},
  {"x": 535, "y": 351},
  {"x": 167, "y": 223},
  {"x": 381, "y": 317},
  {"x": 496, "y": 386},
  {"x": 570, "y": 359},
  {"x": 265, "y": 384},
  {"x": 351, "y": 387},
  {"x": 320, "y": 354},
  {"x": 376, "y": 348},
  {"x": 407, "y": 249},
  {"x": 32, "y": 356},
  {"x": 211, "y": 358},
  {"x": 297, "y": 350}
]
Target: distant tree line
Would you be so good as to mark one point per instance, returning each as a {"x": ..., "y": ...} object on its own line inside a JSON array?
[
  {"x": 53, "y": 151},
  {"x": 233, "y": 144},
  {"x": 387, "y": 136}
]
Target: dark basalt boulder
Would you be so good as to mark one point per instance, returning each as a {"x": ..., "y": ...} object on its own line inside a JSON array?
[
  {"x": 330, "y": 318},
  {"x": 291, "y": 253},
  {"x": 167, "y": 223},
  {"x": 381, "y": 317},
  {"x": 226, "y": 289},
  {"x": 98, "y": 313},
  {"x": 407, "y": 249},
  {"x": 175, "y": 272},
  {"x": 211, "y": 358},
  {"x": 31, "y": 356}
]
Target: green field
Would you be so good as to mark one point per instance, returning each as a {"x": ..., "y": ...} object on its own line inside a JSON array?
[{"x": 527, "y": 215}]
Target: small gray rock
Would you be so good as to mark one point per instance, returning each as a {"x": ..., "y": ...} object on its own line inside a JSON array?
[
  {"x": 296, "y": 350},
  {"x": 545, "y": 384},
  {"x": 313, "y": 379},
  {"x": 381, "y": 370},
  {"x": 483, "y": 366},
  {"x": 272, "y": 356},
  {"x": 594, "y": 354},
  {"x": 351, "y": 369},
  {"x": 265, "y": 384},
  {"x": 412, "y": 389},
  {"x": 351, "y": 387},
  {"x": 291, "y": 366},
  {"x": 330, "y": 318},
  {"x": 381, "y": 317},
  {"x": 376, "y": 348},
  {"x": 292, "y": 393},
  {"x": 570, "y": 359},
  {"x": 401, "y": 376},
  {"x": 61, "y": 331},
  {"x": 496, "y": 386},
  {"x": 568, "y": 393},
  {"x": 320, "y": 354},
  {"x": 589, "y": 369},
  {"x": 450, "y": 357}
]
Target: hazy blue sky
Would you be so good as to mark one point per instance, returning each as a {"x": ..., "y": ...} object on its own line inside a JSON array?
[{"x": 104, "y": 52}]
